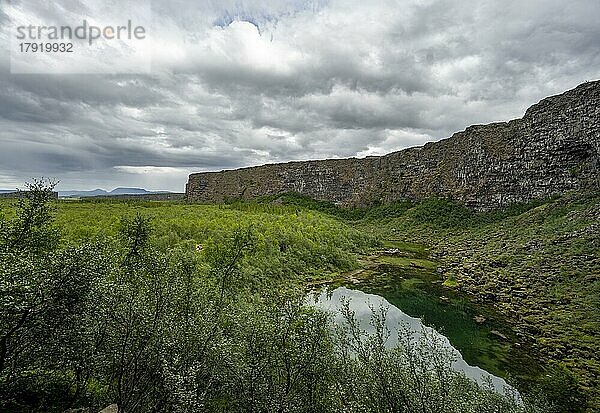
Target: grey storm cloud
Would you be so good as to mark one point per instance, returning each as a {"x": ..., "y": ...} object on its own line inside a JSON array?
[{"x": 239, "y": 83}]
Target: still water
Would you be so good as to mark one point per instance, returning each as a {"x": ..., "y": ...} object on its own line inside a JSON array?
[{"x": 362, "y": 303}]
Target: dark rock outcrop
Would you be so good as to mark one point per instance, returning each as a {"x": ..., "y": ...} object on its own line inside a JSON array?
[{"x": 553, "y": 149}]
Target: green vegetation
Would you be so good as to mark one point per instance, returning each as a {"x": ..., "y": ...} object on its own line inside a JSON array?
[
  {"x": 163, "y": 306},
  {"x": 537, "y": 263},
  {"x": 288, "y": 243}
]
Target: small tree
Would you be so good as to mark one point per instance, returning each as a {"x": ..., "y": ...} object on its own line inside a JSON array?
[
  {"x": 33, "y": 229},
  {"x": 42, "y": 292}
]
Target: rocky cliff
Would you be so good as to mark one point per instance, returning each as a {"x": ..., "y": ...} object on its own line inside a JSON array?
[{"x": 553, "y": 149}]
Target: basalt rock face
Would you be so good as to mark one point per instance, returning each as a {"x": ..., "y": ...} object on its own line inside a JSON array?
[{"x": 553, "y": 149}]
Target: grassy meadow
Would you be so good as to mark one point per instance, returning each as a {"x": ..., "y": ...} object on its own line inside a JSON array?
[{"x": 168, "y": 306}]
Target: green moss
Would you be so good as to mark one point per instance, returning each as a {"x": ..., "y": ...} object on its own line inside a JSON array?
[
  {"x": 450, "y": 282},
  {"x": 418, "y": 250},
  {"x": 534, "y": 262},
  {"x": 407, "y": 262}
]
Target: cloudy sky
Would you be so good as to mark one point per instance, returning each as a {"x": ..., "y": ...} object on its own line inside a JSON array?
[{"x": 240, "y": 83}]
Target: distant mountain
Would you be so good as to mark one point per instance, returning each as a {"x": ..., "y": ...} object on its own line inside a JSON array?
[
  {"x": 102, "y": 192},
  {"x": 81, "y": 194},
  {"x": 128, "y": 191},
  {"x": 7, "y": 191}
]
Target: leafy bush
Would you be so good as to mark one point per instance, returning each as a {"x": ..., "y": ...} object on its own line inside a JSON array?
[{"x": 157, "y": 327}]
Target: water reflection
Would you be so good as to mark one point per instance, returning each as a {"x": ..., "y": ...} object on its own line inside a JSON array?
[{"x": 361, "y": 303}]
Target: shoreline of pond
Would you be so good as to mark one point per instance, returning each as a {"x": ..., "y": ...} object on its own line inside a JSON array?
[{"x": 405, "y": 275}]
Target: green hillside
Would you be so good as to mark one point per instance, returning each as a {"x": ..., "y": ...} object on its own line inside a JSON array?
[{"x": 172, "y": 304}]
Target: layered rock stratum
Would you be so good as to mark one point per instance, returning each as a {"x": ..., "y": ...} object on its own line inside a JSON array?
[{"x": 553, "y": 149}]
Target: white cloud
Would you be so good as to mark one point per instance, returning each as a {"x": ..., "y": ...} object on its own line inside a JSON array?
[{"x": 242, "y": 83}]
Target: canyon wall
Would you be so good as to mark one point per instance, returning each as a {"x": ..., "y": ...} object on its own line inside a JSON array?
[{"x": 553, "y": 149}]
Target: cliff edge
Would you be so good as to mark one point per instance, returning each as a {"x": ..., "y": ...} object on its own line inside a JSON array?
[{"x": 554, "y": 148}]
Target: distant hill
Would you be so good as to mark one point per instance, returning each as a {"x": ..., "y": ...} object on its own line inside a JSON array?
[
  {"x": 102, "y": 192},
  {"x": 129, "y": 191},
  {"x": 80, "y": 194}
]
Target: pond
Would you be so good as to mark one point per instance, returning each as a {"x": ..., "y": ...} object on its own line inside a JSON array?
[
  {"x": 361, "y": 304},
  {"x": 483, "y": 340}
]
